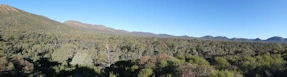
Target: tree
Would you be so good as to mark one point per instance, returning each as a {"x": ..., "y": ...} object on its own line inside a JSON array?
[
  {"x": 82, "y": 58},
  {"x": 145, "y": 72},
  {"x": 226, "y": 73},
  {"x": 63, "y": 53},
  {"x": 221, "y": 63},
  {"x": 163, "y": 63},
  {"x": 196, "y": 60}
]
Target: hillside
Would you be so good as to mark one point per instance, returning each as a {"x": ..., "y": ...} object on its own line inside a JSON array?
[
  {"x": 13, "y": 19},
  {"x": 108, "y": 30},
  {"x": 35, "y": 46},
  {"x": 95, "y": 28}
]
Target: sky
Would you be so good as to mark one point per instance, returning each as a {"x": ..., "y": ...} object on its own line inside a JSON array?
[{"x": 231, "y": 18}]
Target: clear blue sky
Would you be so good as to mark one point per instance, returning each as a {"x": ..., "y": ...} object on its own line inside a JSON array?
[{"x": 231, "y": 18}]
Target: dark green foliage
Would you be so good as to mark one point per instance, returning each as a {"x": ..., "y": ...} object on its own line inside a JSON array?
[
  {"x": 123, "y": 69},
  {"x": 15, "y": 67}
]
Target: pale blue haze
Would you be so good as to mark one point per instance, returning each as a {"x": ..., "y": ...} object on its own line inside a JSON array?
[{"x": 231, "y": 18}]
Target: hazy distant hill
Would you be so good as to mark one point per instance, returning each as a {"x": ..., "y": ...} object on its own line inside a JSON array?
[
  {"x": 215, "y": 38},
  {"x": 276, "y": 38},
  {"x": 271, "y": 39}
]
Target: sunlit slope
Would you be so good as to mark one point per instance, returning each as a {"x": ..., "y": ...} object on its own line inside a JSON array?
[{"x": 13, "y": 19}]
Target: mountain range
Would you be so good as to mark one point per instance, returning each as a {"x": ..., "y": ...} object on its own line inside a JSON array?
[
  {"x": 104, "y": 29},
  {"x": 27, "y": 21}
]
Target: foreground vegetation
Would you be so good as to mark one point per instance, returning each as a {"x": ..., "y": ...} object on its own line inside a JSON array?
[
  {"x": 35, "y": 46},
  {"x": 48, "y": 54}
]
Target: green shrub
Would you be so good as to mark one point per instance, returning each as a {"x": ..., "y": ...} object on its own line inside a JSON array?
[
  {"x": 225, "y": 73},
  {"x": 221, "y": 63},
  {"x": 145, "y": 72}
]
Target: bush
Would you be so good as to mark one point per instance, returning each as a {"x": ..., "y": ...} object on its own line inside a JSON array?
[
  {"x": 221, "y": 63},
  {"x": 226, "y": 73},
  {"x": 134, "y": 68},
  {"x": 163, "y": 64},
  {"x": 196, "y": 60},
  {"x": 145, "y": 72}
]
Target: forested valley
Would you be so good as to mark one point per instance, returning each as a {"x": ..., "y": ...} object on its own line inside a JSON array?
[{"x": 35, "y": 46}]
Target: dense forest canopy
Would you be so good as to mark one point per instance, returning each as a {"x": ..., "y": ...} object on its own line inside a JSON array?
[{"x": 32, "y": 45}]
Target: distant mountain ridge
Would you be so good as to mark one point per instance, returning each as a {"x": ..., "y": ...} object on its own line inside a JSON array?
[
  {"x": 108, "y": 30},
  {"x": 277, "y": 38},
  {"x": 104, "y": 29},
  {"x": 271, "y": 39}
]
